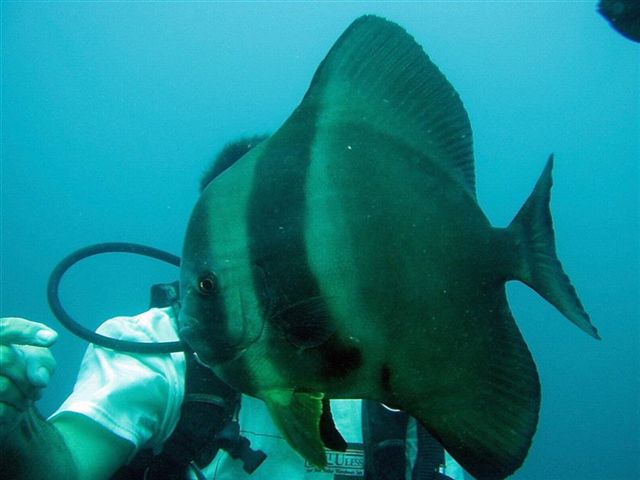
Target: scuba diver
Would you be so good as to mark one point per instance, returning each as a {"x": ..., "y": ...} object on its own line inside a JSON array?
[{"x": 164, "y": 416}]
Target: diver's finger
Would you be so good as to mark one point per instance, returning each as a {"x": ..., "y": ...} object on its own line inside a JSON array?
[
  {"x": 11, "y": 361},
  {"x": 10, "y": 394},
  {"x": 8, "y": 356},
  {"x": 28, "y": 367},
  {"x": 13, "y": 368},
  {"x": 20, "y": 331},
  {"x": 40, "y": 365}
]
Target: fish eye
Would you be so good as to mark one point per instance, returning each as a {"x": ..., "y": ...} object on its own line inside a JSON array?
[{"x": 207, "y": 284}]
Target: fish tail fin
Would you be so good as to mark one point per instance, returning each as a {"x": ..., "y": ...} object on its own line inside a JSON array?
[{"x": 538, "y": 265}]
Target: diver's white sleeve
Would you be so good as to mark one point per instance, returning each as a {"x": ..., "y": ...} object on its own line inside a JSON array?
[{"x": 137, "y": 397}]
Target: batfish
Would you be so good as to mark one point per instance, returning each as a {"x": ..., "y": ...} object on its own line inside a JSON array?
[{"x": 346, "y": 256}]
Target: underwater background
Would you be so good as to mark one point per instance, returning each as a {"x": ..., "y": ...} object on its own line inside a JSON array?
[{"x": 112, "y": 110}]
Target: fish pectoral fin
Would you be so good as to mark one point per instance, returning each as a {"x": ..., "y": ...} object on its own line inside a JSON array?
[
  {"x": 297, "y": 415},
  {"x": 306, "y": 324}
]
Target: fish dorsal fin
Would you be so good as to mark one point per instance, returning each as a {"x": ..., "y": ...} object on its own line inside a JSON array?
[{"x": 377, "y": 73}]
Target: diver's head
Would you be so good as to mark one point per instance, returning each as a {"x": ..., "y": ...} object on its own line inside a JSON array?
[{"x": 229, "y": 154}]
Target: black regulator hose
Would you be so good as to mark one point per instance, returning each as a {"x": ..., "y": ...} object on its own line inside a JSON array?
[{"x": 89, "y": 335}]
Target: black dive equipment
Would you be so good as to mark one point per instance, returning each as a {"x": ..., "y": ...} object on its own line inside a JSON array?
[
  {"x": 385, "y": 458},
  {"x": 89, "y": 335}
]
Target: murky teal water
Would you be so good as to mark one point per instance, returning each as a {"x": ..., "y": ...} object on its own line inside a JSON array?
[{"x": 111, "y": 111}]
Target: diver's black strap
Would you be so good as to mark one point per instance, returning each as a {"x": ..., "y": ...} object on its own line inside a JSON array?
[
  {"x": 430, "y": 457},
  {"x": 384, "y": 434}
]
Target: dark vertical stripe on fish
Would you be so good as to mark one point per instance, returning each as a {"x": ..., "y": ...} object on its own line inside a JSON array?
[{"x": 276, "y": 218}]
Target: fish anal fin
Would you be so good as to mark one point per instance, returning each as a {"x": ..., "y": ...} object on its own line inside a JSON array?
[
  {"x": 485, "y": 410},
  {"x": 297, "y": 416}
]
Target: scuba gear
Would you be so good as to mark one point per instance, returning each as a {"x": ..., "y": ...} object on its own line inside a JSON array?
[
  {"x": 89, "y": 335},
  {"x": 239, "y": 447},
  {"x": 385, "y": 432},
  {"x": 208, "y": 417},
  {"x": 207, "y": 424},
  {"x": 208, "y": 421},
  {"x": 430, "y": 458}
]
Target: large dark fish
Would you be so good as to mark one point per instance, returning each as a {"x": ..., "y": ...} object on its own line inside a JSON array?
[
  {"x": 347, "y": 257},
  {"x": 623, "y": 15}
]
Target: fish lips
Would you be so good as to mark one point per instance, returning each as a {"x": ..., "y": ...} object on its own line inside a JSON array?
[{"x": 206, "y": 342}]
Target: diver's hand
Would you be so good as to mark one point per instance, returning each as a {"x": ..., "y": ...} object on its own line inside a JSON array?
[{"x": 26, "y": 366}]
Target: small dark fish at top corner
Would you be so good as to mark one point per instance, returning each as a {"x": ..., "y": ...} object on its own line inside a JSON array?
[{"x": 623, "y": 15}]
